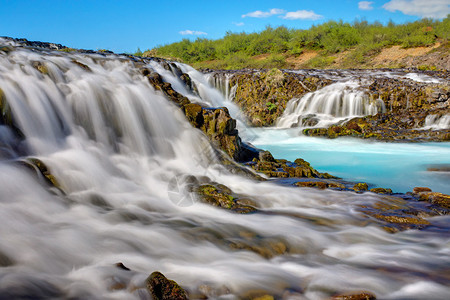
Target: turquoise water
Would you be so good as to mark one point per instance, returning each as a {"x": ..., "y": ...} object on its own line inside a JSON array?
[{"x": 400, "y": 166}]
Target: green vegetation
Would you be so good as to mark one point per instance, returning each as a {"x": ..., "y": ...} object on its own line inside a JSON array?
[{"x": 270, "y": 47}]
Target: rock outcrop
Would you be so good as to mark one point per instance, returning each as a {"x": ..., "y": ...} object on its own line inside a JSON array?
[{"x": 262, "y": 95}]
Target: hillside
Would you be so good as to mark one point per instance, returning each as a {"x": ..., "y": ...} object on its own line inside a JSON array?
[{"x": 422, "y": 44}]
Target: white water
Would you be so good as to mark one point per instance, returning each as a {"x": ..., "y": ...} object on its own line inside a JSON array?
[
  {"x": 435, "y": 122},
  {"x": 329, "y": 105},
  {"x": 114, "y": 144}
]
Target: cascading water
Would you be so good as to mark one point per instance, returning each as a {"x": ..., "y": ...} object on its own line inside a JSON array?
[
  {"x": 115, "y": 144},
  {"x": 329, "y": 105},
  {"x": 435, "y": 122}
]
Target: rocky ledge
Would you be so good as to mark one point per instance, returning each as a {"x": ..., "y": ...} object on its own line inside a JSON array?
[{"x": 263, "y": 95}]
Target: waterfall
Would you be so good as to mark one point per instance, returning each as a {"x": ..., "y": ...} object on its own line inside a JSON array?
[
  {"x": 329, "y": 105},
  {"x": 434, "y": 122},
  {"x": 221, "y": 81},
  {"x": 116, "y": 146}
]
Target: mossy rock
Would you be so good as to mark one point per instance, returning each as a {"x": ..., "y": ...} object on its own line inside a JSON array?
[
  {"x": 316, "y": 184},
  {"x": 381, "y": 191},
  {"x": 39, "y": 166},
  {"x": 355, "y": 296},
  {"x": 440, "y": 199},
  {"x": 194, "y": 114},
  {"x": 41, "y": 67},
  {"x": 162, "y": 288},
  {"x": 361, "y": 187},
  {"x": 221, "y": 196}
]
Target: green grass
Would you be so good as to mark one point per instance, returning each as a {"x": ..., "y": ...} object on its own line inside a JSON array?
[{"x": 234, "y": 50}]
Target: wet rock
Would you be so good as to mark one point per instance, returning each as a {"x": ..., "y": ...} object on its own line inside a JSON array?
[
  {"x": 381, "y": 191},
  {"x": 436, "y": 198},
  {"x": 158, "y": 83},
  {"x": 355, "y": 296},
  {"x": 418, "y": 190},
  {"x": 194, "y": 114},
  {"x": 321, "y": 184},
  {"x": 41, "y": 168},
  {"x": 255, "y": 89},
  {"x": 281, "y": 168},
  {"x": 81, "y": 65},
  {"x": 5, "y": 261},
  {"x": 360, "y": 187},
  {"x": 266, "y": 156},
  {"x": 41, "y": 67},
  {"x": 316, "y": 184},
  {"x": 122, "y": 266},
  {"x": 221, "y": 130},
  {"x": 395, "y": 214},
  {"x": 221, "y": 196},
  {"x": 162, "y": 288}
]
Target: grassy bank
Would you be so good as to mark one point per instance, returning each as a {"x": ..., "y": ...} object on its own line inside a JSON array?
[{"x": 331, "y": 44}]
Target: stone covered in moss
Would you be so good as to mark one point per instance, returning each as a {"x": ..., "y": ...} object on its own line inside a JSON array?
[
  {"x": 436, "y": 198},
  {"x": 360, "y": 187},
  {"x": 38, "y": 166},
  {"x": 381, "y": 191},
  {"x": 263, "y": 95},
  {"x": 221, "y": 196},
  {"x": 355, "y": 296},
  {"x": 162, "y": 288}
]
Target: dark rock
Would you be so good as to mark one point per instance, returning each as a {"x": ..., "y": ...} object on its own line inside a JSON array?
[
  {"x": 122, "y": 266},
  {"x": 162, "y": 288},
  {"x": 5, "y": 261}
]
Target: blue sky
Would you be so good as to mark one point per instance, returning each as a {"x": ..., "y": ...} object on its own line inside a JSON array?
[{"x": 123, "y": 26}]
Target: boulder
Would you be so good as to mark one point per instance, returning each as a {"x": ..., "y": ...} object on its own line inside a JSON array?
[
  {"x": 360, "y": 187},
  {"x": 381, "y": 191},
  {"x": 162, "y": 288},
  {"x": 221, "y": 196},
  {"x": 418, "y": 190}
]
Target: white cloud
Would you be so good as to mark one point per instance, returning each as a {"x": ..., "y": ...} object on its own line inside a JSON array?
[
  {"x": 264, "y": 14},
  {"x": 365, "y": 5},
  {"x": 423, "y": 8},
  {"x": 239, "y": 24},
  {"x": 192, "y": 32},
  {"x": 301, "y": 14}
]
